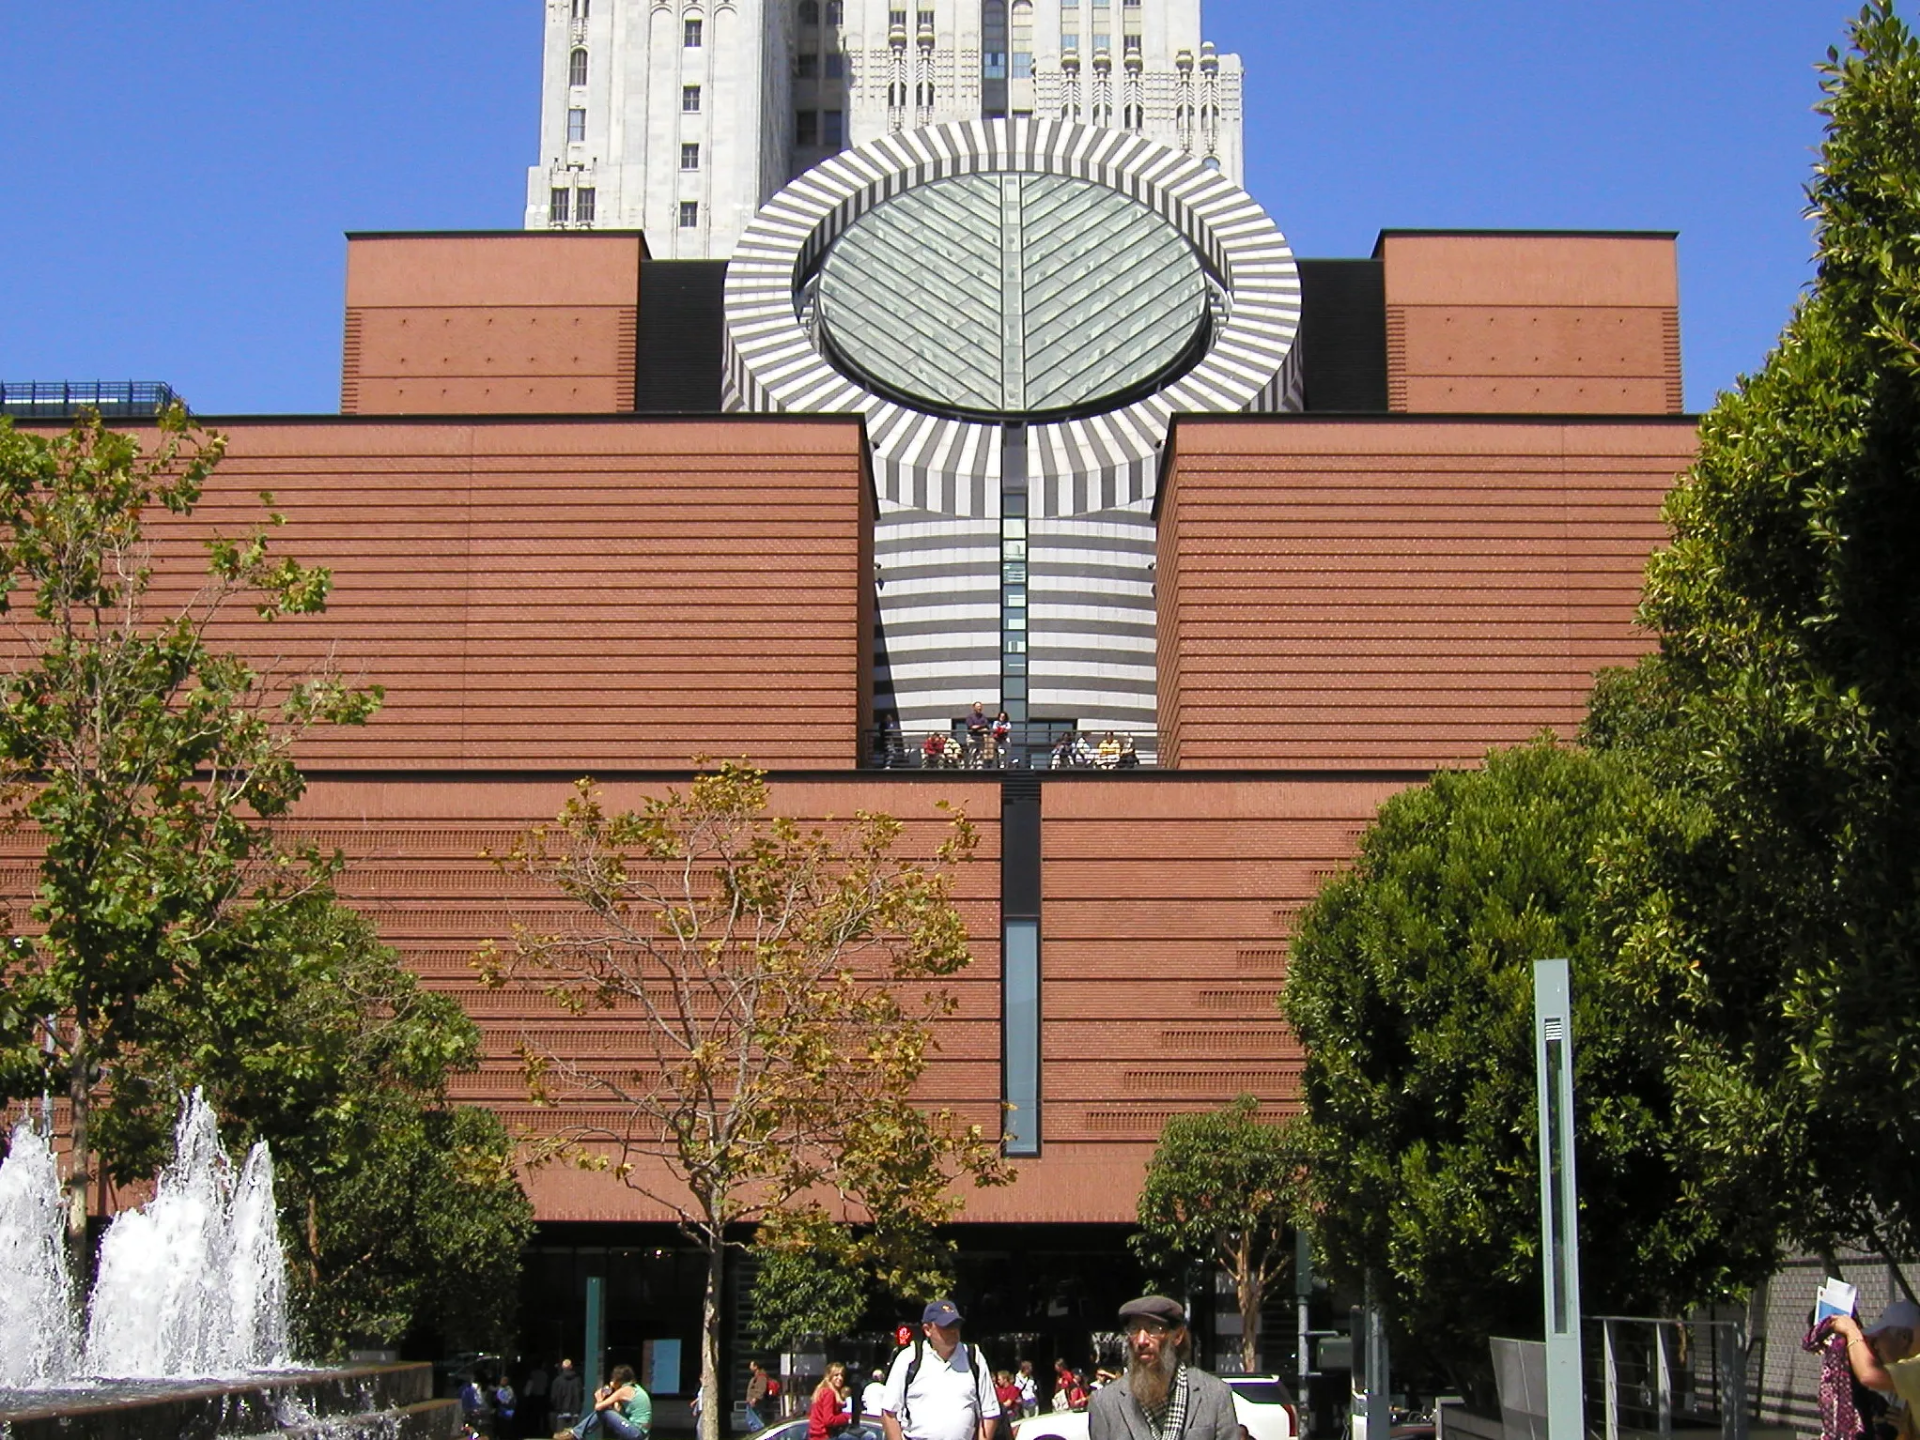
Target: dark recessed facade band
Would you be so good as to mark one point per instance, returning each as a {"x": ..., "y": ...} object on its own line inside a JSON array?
[{"x": 1020, "y": 962}]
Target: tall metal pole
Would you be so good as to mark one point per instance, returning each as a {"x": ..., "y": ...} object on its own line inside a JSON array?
[
  {"x": 1559, "y": 1197},
  {"x": 593, "y": 1352}
]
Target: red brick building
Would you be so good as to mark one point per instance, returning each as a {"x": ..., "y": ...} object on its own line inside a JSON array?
[{"x": 554, "y": 575}]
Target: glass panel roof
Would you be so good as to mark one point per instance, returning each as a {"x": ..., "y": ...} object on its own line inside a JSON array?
[{"x": 1012, "y": 294}]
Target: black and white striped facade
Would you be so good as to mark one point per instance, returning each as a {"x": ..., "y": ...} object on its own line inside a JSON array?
[{"x": 1090, "y": 478}]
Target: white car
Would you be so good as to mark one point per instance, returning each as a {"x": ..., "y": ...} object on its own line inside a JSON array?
[{"x": 1263, "y": 1403}]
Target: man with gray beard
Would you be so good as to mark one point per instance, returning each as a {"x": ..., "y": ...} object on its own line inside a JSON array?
[{"x": 1162, "y": 1396}]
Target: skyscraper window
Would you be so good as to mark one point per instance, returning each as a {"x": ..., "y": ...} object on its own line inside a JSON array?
[
  {"x": 583, "y": 205},
  {"x": 557, "y": 206},
  {"x": 690, "y": 156},
  {"x": 577, "y": 68},
  {"x": 833, "y": 128},
  {"x": 694, "y": 34},
  {"x": 689, "y": 214},
  {"x": 806, "y": 127},
  {"x": 690, "y": 99},
  {"x": 576, "y": 126}
]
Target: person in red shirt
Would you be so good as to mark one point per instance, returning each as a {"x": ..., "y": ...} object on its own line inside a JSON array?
[
  {"x": 1007, "y": 1393},
  {"x": 827, "y": 1416}
]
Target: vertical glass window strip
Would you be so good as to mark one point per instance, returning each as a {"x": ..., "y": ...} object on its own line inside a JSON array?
[
  {"x": 576, "y": 126},
  {"x": 689, "y": 214},
  {"x": 690, "y": 99},
  {"x": 557, "y": 206},
  {"x": 836, "y": 12},
  {"x": 583, "y": 205},
  {"x": 833, "y": 128},
  {"x": 1020, "y": 961},
  {"x": 694, "y": 34},
  {"x": 806, "y": 65},
  {"x": 806, "y": 127},
  {"x": 690, "y": 157},
  {"x": 836, "y": 64},
  {"x": 577, "y": 68},
  {"x": 809, "y": 12}
]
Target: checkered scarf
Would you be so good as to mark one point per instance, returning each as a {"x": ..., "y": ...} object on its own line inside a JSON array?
[{"x": 1175, "y": 1418}]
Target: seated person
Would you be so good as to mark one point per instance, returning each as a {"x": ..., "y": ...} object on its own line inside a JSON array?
[
  {"x": 933, "y": 754},
  {"x": 1062, "y": 753},
  {"x": 1108, "y": 754},
  {"x": 620, "y": 1408},
  {"x": 1129, "y": 757}
]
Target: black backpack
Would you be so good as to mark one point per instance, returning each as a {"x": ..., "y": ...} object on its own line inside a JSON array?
[{"x": 972, "y": 1357}]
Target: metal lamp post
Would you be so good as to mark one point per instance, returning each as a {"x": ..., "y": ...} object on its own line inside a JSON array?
[{"x": 1559, "y": 1197}]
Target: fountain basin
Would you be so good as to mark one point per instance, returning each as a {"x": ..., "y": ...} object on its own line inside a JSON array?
[{"x": 393, "y": 1402}]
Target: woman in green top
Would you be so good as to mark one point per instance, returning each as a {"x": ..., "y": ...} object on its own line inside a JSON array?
[{"x": 620, "y": 1408}]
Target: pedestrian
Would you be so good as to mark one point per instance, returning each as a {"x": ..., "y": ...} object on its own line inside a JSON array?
[
  {"x": 1887, "y": 1358},
  {"x": 827, "y": 1415},
  {"x": 620, "y": 1408},
  {"x": 938, "y": 1388},
  {"x": 874, "y": 1396},
  {"x": 756, "y": 1395},
  {"x": 1162, "y": 1396},
  {"x": 565, "y": 1395},
  {"x": 533, "y": 1400},
  {"x": 1029, "y": 1389},
  {"x": 505, "y": 1404}
]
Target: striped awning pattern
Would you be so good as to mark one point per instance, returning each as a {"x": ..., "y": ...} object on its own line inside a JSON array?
[{"x": 950, "y": 466}]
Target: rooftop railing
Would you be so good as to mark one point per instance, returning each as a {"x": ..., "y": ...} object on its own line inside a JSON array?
[
  {"x": 64, "y": 399},
  {"x": 1036, "y": 745}
]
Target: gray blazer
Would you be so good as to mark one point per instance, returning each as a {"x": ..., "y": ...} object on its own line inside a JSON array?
[{"x": 1115, "y": 1415}]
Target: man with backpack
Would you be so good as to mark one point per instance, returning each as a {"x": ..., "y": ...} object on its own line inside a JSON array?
[{"x": 939, "y": 1388}]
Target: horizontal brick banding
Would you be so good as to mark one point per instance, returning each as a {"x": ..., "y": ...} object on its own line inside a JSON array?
[
  {"x": 1532, "y": 324},
  {"x": 574, "y": 595},
  {"x": 491, "y": 324},
  {"x": 1398, "y": 594}
]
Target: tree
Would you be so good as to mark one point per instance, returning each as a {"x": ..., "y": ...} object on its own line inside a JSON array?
[
  {"x": 151, "y": 765},
  {"x": 779, "y": 986},
  {"x": 404, "y": 1215},
  {"x": 811, "y": 1280},
  {"x": 1410, "y": 987},
  {"x": 1226, "y": 1187},
  {"x": 1775, "y": 909}
]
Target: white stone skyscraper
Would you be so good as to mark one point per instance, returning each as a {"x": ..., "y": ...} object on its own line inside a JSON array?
[{"x": 682, "y": 117}]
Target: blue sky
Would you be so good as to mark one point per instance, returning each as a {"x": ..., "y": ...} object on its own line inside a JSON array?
[{"x": 182, "y": 171}]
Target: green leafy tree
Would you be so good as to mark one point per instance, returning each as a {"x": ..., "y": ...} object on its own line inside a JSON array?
[
  {"x": 150, "y": 764},
  {"x": 1411, "y": 988},
  {"x": 1228, "y": 1188},
  {"x": 1773, "y": 908},
  {"x": 404, "y": 1216},
  {"x": 812, "y": 1280},
  {"x": 779, "y": 985}
]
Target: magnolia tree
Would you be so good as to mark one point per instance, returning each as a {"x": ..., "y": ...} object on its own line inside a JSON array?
[
  {"x": 1773, "y": 901},
  {"x": 774, "y": 989}
]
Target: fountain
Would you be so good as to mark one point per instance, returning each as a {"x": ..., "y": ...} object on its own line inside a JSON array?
[
  {"x": 186, "y": 1330},
  {"x": 191, "y": 1284},
  {"x": 36, "y": 1298}
]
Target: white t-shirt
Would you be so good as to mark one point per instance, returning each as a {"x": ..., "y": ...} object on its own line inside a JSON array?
[
  {"x": 947, "y": 1401},
  {"x": 874, "y": 1398}
]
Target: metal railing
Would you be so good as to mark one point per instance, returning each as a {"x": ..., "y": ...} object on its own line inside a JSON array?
[
  {"x": 1659, "y": 1375},
  {"x": 64, "y": 399},
  {"x": 1034, "y": 745}
]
